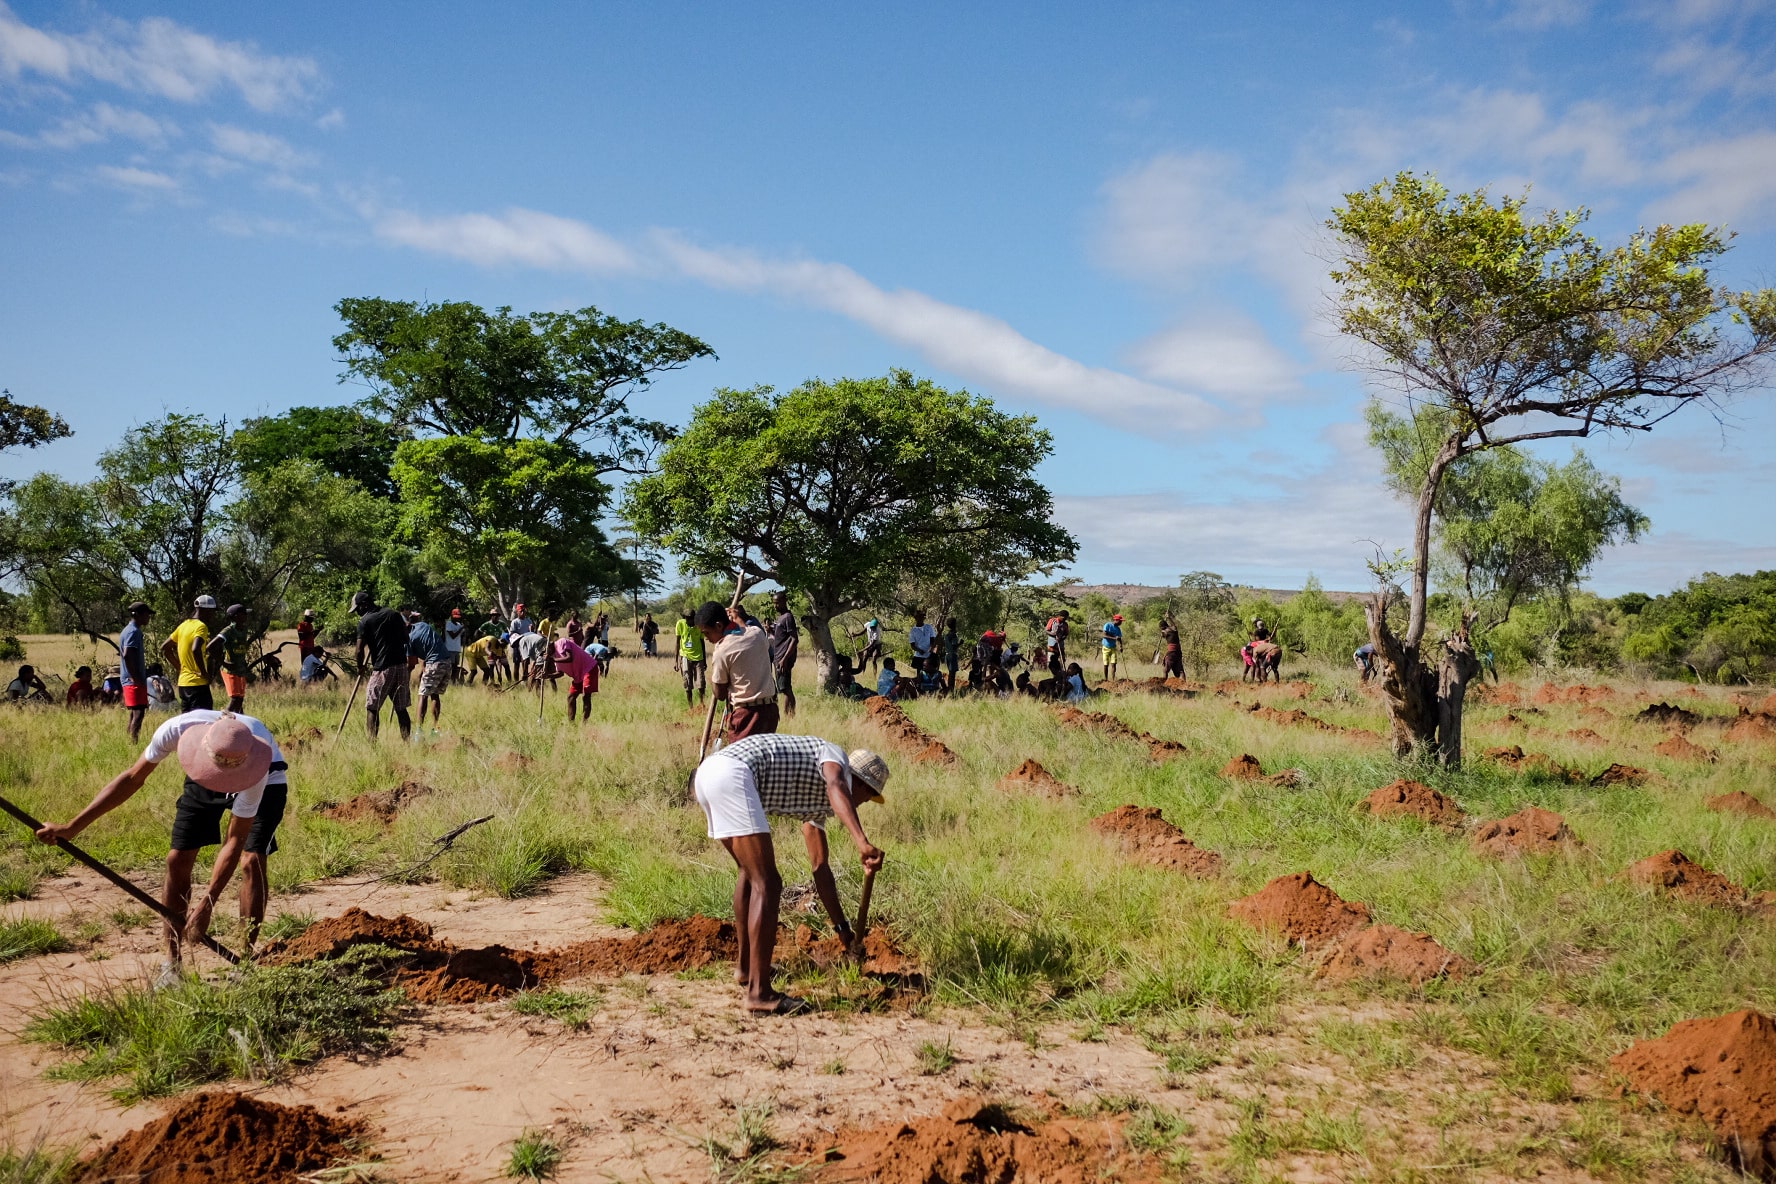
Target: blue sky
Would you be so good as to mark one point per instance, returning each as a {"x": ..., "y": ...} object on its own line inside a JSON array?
[{"x": 1107, "y": 216}]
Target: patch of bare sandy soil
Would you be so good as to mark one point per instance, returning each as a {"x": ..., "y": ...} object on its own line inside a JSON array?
[
  {"x": 1739, "y": 802},
  {"x": 1416, "y": 799},
  {"x": 887, "y": 715},
  {"x": 1302, "y": 909},
  {"x": 1723, "y": 1070},
  {"x": 1530, "y": 831},
  {"x": 1032, "y": 776},
  {"x": 1674, "y": 872},
  {"x": 1146, "y": 837}
]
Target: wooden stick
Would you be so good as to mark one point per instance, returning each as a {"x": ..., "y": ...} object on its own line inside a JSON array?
[
  {"x": 862, "y": 926},
  {"x": 709, "y": 720},
  {"x": 348, "y": 704},
  {"x": 207, "y": 941}
]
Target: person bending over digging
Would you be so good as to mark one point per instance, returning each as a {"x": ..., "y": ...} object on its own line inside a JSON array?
[
  {"x": 580, "y": 669},
  {"x": 234, "y": 768},
  {"x": 801, "y": 777}
]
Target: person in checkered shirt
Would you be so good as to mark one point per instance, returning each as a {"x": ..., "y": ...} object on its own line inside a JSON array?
[{"x": 802, "y": 777}]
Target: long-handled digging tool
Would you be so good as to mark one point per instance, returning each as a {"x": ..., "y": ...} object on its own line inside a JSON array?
[
  {"x": 862, "y": 926},
  {"x": 142, "y": 897},
  {"x": 356, "y": 687}
]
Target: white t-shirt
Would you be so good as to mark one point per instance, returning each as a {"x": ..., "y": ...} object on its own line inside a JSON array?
[
  {"x": 922, "y": 636},
  {"x": 530, "y": 647},
  {"x": 453, "y": 636},
  {"x": 165, "y": 743},
  {"x": 873, "y": 630}
]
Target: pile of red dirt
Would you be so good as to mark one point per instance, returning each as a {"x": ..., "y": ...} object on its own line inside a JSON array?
[
  {"x": 1305, "y": 910},
  {"x": 922, "y": 744},
  {"x": 1549, "y": 693},
  {"x": 381, "y": 805},
  {"x": 1619, "y": 775},
  {"x": 1752, "y": 726},
  {"x": 1723, "y": 1070},
  {"x": 1668, "y": 715},
  {"x": 1294, "y": 716},
  {"x": 1031, "y": 775},
  {"x": 1506, "y": 694},
  {"x": 1530, "y": 831},
  {"x": 1150, "y": 686},
  {"x": 1386, "y": 951},
  {"x": 1146, "y": 837},
  {"x": 225, "y": 1138},
  {"x": 1098, "y": 721},
  {"x": 1678, "y": 747},
  {"x": 1244, "y": 767},
  {"x": 1739, "y": 802},
  {"x": 432, "y": 970},
  {"x": 974, "y": 1141},
  {"x": 1414, "y": 798},
  {"x": 1229, "y": 686},
  {"x": 1598, "y": 714},
  {"x": 1513, "y": 757},
  {"x": 1674, "y": 872},
  {"x": 1584, "y": 736}
]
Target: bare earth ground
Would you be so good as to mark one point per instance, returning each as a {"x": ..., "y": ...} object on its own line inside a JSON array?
[{"x": 667, "y": 1059}]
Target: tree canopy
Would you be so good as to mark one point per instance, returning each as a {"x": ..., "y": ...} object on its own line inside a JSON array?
[
  {"x": 25, "y": 426},
  {"x": 344, "y": 441}
]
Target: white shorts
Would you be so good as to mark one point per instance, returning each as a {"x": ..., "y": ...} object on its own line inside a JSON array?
[{"x": 729, "y": 797}]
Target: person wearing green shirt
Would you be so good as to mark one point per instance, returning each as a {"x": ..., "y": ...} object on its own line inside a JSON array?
[
  {"x": 491, "y": 627},
  {"x": 228, "y": 650},
  {"x": 691, "y": 659}
]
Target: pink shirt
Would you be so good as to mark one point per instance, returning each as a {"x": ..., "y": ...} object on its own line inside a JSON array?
[{"x": 573, "y": 661}]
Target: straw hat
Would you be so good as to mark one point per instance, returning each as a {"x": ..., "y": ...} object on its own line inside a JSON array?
[
  {"x": 871, "y": 769},
  {"x": 224, "y": 756}
]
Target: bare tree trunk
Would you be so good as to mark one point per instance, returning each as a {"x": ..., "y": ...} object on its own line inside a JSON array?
[
  {"x": 1424, "y": 706},
  {"x": 818, "y": 619}
]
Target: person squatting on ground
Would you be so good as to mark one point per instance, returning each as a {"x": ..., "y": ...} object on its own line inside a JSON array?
[
  {"x": 233, "y": 767},
  {"x": 741, "y": 671},
  {"x": 786, "y": 640},
  {"x": 132, "y": 661},
  {"x": 1112, "y": 643},
  {"x": 314, "y": 667},
  {"x": 383, "y": 639},
  {"x": 801, "y": 777},
  {"x": 227, "y": 652},
  {"x": 28, "y": 687},
  {"x": 429, "y": 643},
  {"x": 80, "y": 691},
  {"x": 580, "y": 668},
  {"x": 691, "y": 658},
  {"x": 185, "y": 650}
]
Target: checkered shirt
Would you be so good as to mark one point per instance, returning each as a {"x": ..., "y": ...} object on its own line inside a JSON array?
[{"x": 787, "y": 772}]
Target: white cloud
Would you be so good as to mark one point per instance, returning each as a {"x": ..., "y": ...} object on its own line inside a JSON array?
[
  {"x": 257, "y": 147},
  {"x": 137, "y": 179},
  {"x": 1731, "y": 181},
  {"x": 524, "y": 237},
  {"x": 156, "y": 56},
  {"x": 331, "y": 120},
  {"x": 103, "y": 122},
  {"x": 1542, "y": 14},
  {"x": 1173, "y": 214},
  {"x": 1226, "y": 356}
]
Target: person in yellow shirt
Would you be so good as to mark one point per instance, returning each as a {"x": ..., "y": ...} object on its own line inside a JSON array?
[
  {"x": 186, "y": 649},
  {"x": 482, "y": 656}
]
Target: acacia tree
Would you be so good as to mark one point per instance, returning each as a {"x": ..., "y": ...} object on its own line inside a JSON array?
[
  {"x": 837, "y": 488},
  {"x": 1509, "y": 328}
]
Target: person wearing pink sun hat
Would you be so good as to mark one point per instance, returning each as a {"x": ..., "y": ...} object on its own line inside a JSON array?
[
  {"x": 581, "y": 671},
  {"x": 233, "y": 767}
]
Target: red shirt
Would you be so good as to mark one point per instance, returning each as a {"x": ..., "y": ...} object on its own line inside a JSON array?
[
  {"x": 305, "y": 637},
  {"x": 80, "y": 691}
]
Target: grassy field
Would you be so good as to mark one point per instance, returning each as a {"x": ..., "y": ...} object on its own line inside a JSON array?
[{"x": 1017, "y": 908}]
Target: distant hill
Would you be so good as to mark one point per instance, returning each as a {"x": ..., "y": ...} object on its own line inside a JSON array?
[{"x": 1135, "y": 593}]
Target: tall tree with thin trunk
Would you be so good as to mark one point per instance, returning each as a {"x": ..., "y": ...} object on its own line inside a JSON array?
[{"x": 1510, "y": 327}]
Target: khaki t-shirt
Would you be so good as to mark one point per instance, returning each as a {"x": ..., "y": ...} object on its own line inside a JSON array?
[{"x": 743, "y": 662}]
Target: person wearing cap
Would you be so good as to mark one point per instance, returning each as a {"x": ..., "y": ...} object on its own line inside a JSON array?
[
  {"x": 521, "y": 622},
  {"x": 186, "y": 649},
  {"x": 483, "y": 656},
  {"x": 305, "y": 634},
  {"x": 580, "y": 667},
  {"x": 1112, "y": 643},
  {"x": 234, "y": 769},
  {"x": 872, "y": 645},
  {"x": 454, "y": 630},
  {"x": 132, "y": 663},
  {"x": 801, "y": 777},
  {"x": 228, "y": 651},
  {"x": 740, "y": 670},
  {"x": 383, "y": 641}
]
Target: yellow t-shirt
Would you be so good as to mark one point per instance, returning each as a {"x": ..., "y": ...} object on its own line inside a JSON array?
[{"x": 189, "y": 630}]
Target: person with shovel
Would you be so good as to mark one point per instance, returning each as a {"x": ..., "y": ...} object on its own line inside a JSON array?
[
  {"x": 802, "y": 777},
  {"x": 233, "y": 768}
]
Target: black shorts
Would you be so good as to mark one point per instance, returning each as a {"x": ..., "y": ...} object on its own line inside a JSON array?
[
  {"x": 786, "y": 680},
  {"x": 196, "y": 699},
  {"x": 197, "y": 823}
]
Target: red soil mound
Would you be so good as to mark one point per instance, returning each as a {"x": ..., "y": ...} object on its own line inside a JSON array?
[
  {"x": 1598, "y": 714},
  {"x": 1244, "y": 767},
  {"x": 1414, "y": 798},
  {"x": 1619, "y": 775},
  {"x": 890, "y": 718},
  {"x": 1162, "y": 750},
  {"x": 1294, "y": 716},
  {"x": 1385, "y": 951},
  {"x": 1097, "y": 721},
  {"x": 1530, "y": 831},
  {"x": 1675, "y": 873},
  {"x": 382, "y": 805},
  {"x": 1148, "y": 838},
  {"x": 1305, "y": 910},
  {"x": 976, "y": 1142},
  {"x": 1724, "y": 1071},
  {"x": 1031, "y": 775},
  {"x": 301, "y": 738},
  {"x": 1752, "y": 726},
  {"x": 1507, "y": 694},
  {"x": 1584, "y": 736},
  {"x": 1149, "y": 686},
  {"x": 1678, "y": 747},
  {"x": 1549, "y": 693},
  {"x": 1513, "y": 757},
  {"x": 1668, "y": 714},
  {"x": 516, "y": 762},
  {"x": 224, "y": 1138},
  {"x": 1739, "y": 802}
]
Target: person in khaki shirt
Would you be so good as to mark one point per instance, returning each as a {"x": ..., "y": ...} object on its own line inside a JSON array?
[{"x": 740, "y": 669}]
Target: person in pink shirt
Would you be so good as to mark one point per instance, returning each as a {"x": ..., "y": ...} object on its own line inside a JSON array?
[{"x": 581, "y": 671}]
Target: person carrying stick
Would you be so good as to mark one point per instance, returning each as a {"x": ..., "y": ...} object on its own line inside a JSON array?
[{"x": 234, "y": 769}]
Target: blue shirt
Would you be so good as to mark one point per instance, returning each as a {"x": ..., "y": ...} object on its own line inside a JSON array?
[
  {"x": 311, "y": 665},
  {"x": 1112, "y": 635},
  {"x": 425, "y": 642},
  {"x": 129, "y": 639},
  {"x": 885, "y": 682}
]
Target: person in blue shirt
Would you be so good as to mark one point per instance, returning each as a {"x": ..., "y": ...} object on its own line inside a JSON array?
[
  {"x": 1075, "y": 683},
  {"x": 1112, "y": 644},
  {"x": 886, "y": 680},
  {"x": 428, "y": 643},
  {"x": 132, "y": 660},
  {"x": 314, "y": 667},
  {"x": 931, "y": 679}
]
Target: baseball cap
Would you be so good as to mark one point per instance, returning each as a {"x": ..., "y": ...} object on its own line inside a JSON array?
[
  {"x": 1117, "y": 617},
  {"x": 869, "y": 768},
  {"x": 224, "y": 756},
  {"x": 204, "y": 601},
  {"x": 236, "y": 608},
  {"x": 308, "y": 613},
  {"x": 456, "y": 614},
  {"x": 140, "y": 606}
]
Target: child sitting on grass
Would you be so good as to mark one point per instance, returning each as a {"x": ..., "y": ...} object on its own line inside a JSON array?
[
  {"x": 888, "y": 682},
  {"x": 931, "y": 679},
  {"x": 1075, "y": 683}
]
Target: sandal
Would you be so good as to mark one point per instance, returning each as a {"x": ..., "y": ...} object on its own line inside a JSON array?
[{"x": 785, "y": 1005}]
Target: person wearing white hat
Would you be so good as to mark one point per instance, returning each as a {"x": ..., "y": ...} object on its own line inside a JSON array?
[
  {"x": 234, "y": 768},
  {"x": 801, "y": 777},
  {"x": 186, "y": 650}
]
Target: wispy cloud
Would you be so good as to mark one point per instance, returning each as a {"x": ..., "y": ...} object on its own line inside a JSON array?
[
  {"x": 96, "y": 125},
  {"x": 1227, "y": 356},
  {"x": 517, "y": 237},
  {"x": 129, "y": 177},
  {"x": 155, "y": 56},
  {"x": 258, "y": 148}
]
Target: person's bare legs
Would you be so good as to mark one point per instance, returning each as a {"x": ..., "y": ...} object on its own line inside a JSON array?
[
  {"x": 757, "y": 893},
  {"x": 254, "y": 893},
  {"x": 177, "y": 898},
  {"x": 137, "y": 714},
  {"x": 373, "y": 721}
]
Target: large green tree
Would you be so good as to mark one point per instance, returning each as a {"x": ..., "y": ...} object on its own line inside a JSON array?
[
  {"x": 835, "y": 489},
  {"x": 1508, "y": 328},
  {"x": 344, "y": 441}
]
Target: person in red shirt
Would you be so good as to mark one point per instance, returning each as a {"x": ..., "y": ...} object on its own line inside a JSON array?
[
  {"x": 305, "y": 633},
  {"x": 80, "y": 691}
]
